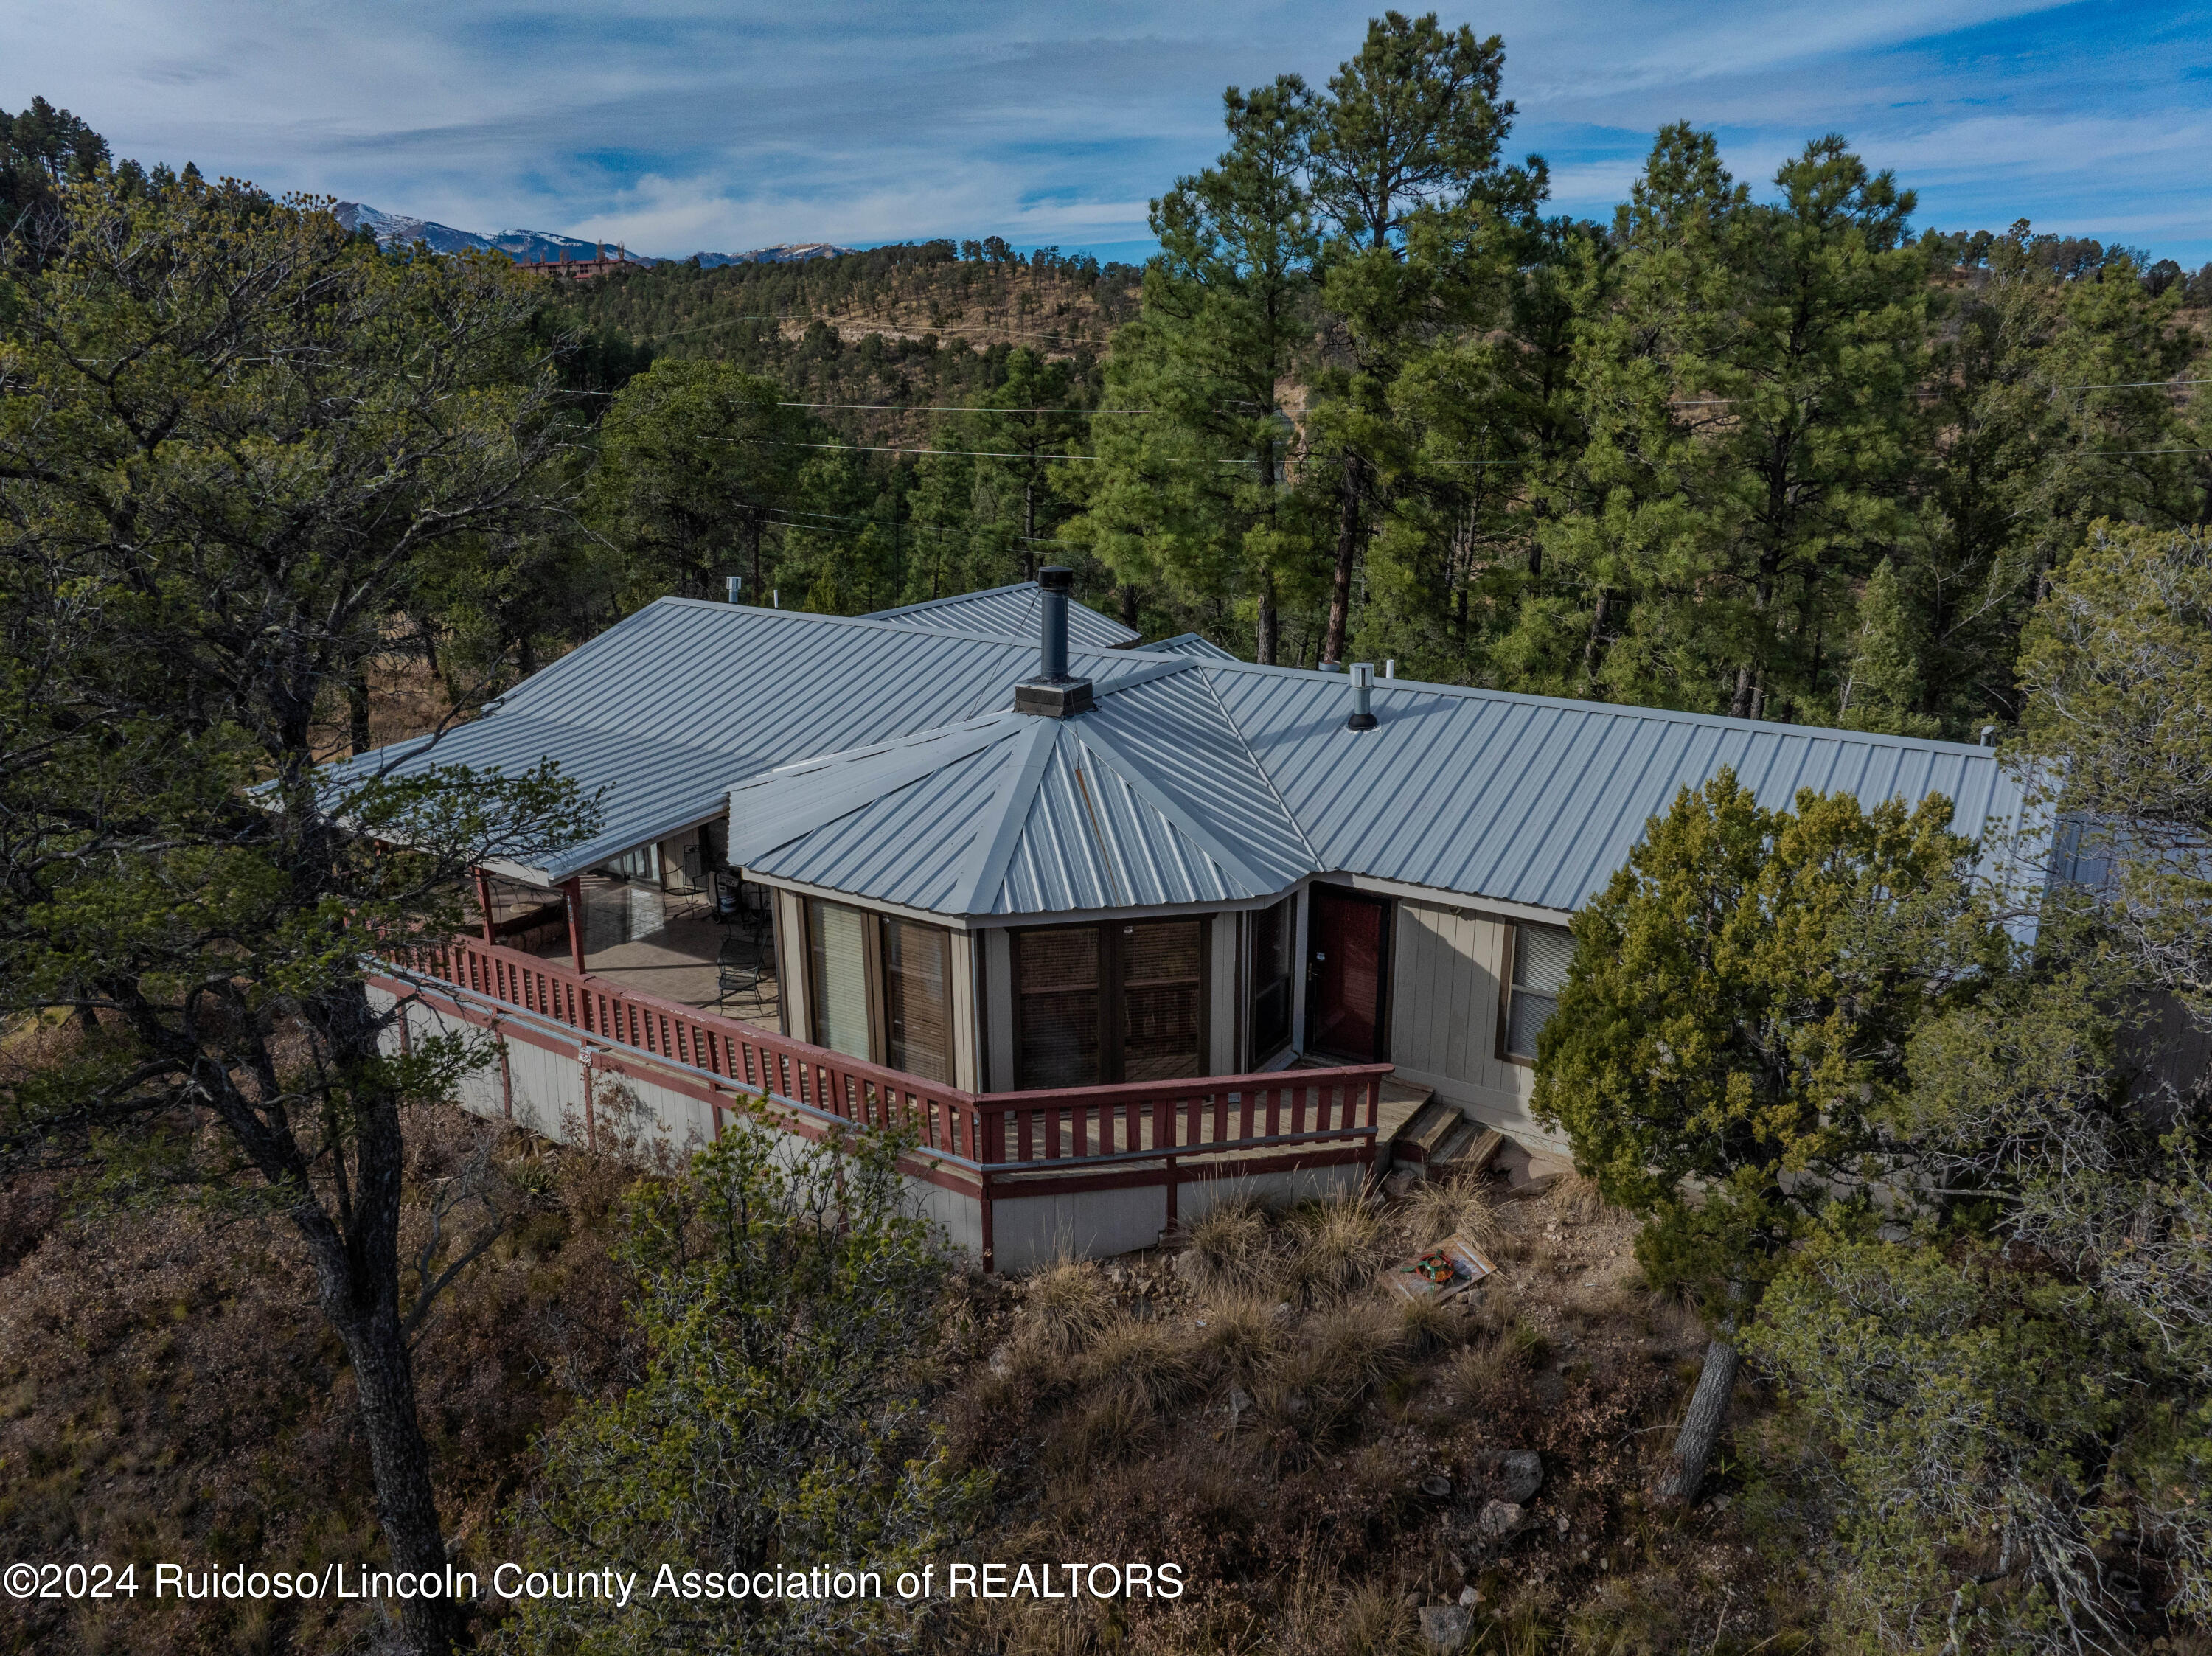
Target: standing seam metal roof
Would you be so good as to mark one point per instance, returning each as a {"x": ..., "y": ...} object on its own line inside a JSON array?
[
  {"x": 1194, "y": 780},
  {"x": 1014, "y": 611}
]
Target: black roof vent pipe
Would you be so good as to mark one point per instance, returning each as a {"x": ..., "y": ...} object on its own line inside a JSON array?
[
  {"x": 1363, "y": 688},
  {"x": 1052, "y": 693}
]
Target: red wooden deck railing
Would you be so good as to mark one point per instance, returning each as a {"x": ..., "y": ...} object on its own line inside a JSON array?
[{"x": 1063, "y": 1129}]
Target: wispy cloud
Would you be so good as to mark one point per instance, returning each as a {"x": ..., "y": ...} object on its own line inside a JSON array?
[{"x": 724, "y": 123}]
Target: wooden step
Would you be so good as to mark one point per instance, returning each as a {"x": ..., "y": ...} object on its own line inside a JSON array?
[
  {"x": 1470, "y": 1152},
  {"x": 1429, "y": 1127}
]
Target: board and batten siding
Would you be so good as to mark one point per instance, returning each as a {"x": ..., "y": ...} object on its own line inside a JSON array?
[{"x": 1444, "y": 1011}]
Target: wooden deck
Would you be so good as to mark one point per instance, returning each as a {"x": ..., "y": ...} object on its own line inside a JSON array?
[{"x": 675, "y": 960}]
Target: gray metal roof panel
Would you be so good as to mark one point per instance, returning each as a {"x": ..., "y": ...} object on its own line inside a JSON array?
[
  {"x": 1188, "y": 644},
  {"x": 1537, "y": 801},
  {"x": 1012, "y": 612},
  {"x": 673, "y": 704},
  {"x": 1214, "y": 776},
  {"x": 1082, "y": 834}
]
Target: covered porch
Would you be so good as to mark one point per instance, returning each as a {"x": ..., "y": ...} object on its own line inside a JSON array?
[{"x": 709, "y": 944}]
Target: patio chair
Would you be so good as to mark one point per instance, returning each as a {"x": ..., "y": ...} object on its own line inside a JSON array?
[{"x": 737, "y": 968}]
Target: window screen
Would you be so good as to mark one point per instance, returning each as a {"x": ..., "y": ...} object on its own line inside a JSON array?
[
  {"x": 837, "y": 945},
  {"x": 1056, "y": 985},
  {"x": 1541, "y": 955},
  {"x": 918, "y": 997},
  {"x": 1271, "y": 940},
  {"x": 1161, "y": 978}
]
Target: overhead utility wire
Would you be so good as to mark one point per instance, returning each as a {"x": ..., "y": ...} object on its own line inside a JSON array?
[
  {"x": 941, "y": 407},
  {"x": 895, "y": 325}
]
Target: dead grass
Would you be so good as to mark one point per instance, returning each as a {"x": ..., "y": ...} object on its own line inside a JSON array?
[
  {"x": 1066, "y": 1305},
  {"x": 1143, "y": 1359},
  {"x": 1577, "y": 1200},
  {"x": 1230, "y": 1245},
  {"x": 1338, "y": 1247},
  {"x": 1244, "y": 1339},
  {"x": 1436, "y": 1208}
]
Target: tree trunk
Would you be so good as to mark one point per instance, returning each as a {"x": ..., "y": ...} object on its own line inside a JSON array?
[
  {"x": 357, "y": 1261},
  {"x": 1593, "y": 652},
  {"x": 1129, "y": 605},
  {"x": 1348, "y": 548},
  {"x": 357, "y": 707},
  {"x": 400, "y": 1459},
  {"x": 1701, "y": 1427},
  {"x": 1740, "y": 703},
  {"x": 1268, "y": 641}
]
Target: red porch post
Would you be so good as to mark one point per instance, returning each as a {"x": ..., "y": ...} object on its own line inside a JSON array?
[
  {"x": 483, "y": 904},
  {"x": 573, "y": 890}
]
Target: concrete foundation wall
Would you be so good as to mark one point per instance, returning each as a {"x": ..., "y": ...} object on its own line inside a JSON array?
[{"x": 1029, "y": 1231}]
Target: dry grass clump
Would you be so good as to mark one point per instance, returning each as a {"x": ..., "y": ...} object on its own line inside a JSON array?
[
  {"x": 1372, "y": 1620},
  {"x": 1244, "y": 1339},
  {"x": 1066, "y": 1305},
  {"x": 1115, "y": 1425},
  {"x": 1491, "y": 1360},
  {"x": 1579, "y": 1200},
  {"x": 1430, "y": 1327},
  {"x": 1437, "y": 1208},
  {"x": 1339, "y": 1248},
  {"x": 1142, "y": 1359},
  {"x": 1230, "y": 1244}
]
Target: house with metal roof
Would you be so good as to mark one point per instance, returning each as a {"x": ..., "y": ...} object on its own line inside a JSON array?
[{"x": 1002, "y": 849}]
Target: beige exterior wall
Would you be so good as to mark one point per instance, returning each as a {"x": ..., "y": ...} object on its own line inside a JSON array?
[
  {"x": 1444, "y": 1012},
  {"x": 791, "y": 964}
]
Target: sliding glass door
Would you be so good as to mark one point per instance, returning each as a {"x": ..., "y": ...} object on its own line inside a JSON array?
[{"x": 1125, "y": 1001}]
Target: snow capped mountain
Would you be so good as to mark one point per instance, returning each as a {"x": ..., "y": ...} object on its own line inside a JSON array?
[
  {"x": 532, "y": 246},
  {"x": 784, "y": 252}
]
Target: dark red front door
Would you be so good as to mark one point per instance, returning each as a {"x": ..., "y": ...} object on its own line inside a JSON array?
[{"x": 1347, "y": 943}]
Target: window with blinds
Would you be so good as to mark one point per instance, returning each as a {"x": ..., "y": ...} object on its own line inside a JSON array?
[
  {"x": 837, "y": 980},
  {"x": 1057, "y": 1007},
  {"x": 1540, "y": 956},
  {"x": 1121, "y": 1002},
  {"x": 918, "y": 997},
  {"x": 1272, "y": 941},
  {"x": 1161, "y": 971}
]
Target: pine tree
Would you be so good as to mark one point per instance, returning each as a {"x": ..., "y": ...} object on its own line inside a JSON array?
[{"x": 1193, "y": 493}]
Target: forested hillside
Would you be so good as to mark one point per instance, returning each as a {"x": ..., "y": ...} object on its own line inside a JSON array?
[{"x": 1771, "y": 450}]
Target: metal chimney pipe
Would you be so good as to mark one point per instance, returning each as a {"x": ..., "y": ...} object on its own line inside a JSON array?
[
  {"x": 736, "y": 587},
  {"x": 1052, "y": 693},
  {"x": 1055, "y": 582},
  {"x": 1363, "y": 685}
]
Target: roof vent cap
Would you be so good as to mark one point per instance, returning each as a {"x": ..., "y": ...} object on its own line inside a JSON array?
[{"x": 1362, "y": 686}]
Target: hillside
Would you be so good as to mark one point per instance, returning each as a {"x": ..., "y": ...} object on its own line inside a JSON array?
[{"x": 916, "y": 323}]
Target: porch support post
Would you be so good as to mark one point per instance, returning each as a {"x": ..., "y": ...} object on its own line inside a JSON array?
[
  {"x": 983, "y": 1200},
  {"x": 1170, "y": 1182},
  {"x": 483, "y": 904},
  {"x": 572, "y": 890}
]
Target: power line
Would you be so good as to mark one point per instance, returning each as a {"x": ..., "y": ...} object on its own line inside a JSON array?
[
  {"x": 956, "y": 453},
  {"x": 938, "y": 408},
  {"x": 892, "y": 326}
]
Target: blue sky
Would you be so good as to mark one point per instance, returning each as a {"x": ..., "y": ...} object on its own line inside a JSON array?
[{"x": 680, "y": 126}]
